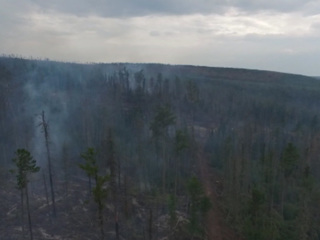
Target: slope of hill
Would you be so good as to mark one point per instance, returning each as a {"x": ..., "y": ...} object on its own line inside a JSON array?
[{"x": 257, "y": 133}]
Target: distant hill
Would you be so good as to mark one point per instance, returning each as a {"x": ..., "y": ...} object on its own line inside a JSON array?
[{"x": 175, "y": 140}]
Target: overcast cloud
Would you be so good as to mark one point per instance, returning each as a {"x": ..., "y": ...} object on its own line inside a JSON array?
[{"x": 258, "y": 34}]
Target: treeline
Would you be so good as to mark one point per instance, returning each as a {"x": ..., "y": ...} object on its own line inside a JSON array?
[{"x": 147, "y": 123}]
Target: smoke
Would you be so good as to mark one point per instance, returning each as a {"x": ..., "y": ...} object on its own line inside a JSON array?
[
  {"x": 43, "y": 96},
  {"x": 75, "y": 107}
]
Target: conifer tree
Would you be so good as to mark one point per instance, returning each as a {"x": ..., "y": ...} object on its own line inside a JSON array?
[
  {"x": 159, "y": 126},
  {"x": 200, "y": 204},
  {"x": 99, "y": 191},
  {"x": 181, "y": 143},
  {"x": 25, "y": 165}
]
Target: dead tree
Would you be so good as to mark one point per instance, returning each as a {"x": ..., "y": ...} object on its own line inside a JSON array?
[{"x": 45, "y": 128}]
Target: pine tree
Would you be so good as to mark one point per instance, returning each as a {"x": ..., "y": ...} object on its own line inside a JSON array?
[
  {"x": 200, "y": 204},
  {"x": 90, "y": 165},
  {"x": 25, "y": 165},
  {"x": 181, "y": 144},
  {"x": 159, "y": 127},
  {"x": 100, "y": 192}
]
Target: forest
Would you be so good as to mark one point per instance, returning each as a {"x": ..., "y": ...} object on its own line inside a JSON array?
[{"x": 154, "y": 151}]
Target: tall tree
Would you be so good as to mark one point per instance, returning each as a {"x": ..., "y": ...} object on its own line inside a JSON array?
[
  {"x": 199, "y": 205},
  {"x": 90, "y": 165},
  {"x": 163, "y": 118},
  {"x": 289, "y": 165},
  {"x": 181, "y": 143},
  {"x": 193, "y": 96},
  {"x": 25, "y": 165},
  {"x": 99, "y": 191},
  {"x": 45, "y": 128},
  {"x": 113, "y": 165}
]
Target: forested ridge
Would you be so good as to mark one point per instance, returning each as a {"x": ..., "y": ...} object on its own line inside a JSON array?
[{"x": 152, "y": 151}]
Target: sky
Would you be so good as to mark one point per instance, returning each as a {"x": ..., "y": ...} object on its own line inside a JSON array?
[{"x": 256, "y": 34}]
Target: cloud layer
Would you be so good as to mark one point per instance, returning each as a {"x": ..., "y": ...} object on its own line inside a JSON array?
[
  {"x": 130, "y": 8},
  {"x": 251, "y": 34}
]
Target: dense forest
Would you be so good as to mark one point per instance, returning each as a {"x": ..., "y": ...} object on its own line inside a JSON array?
[{"x": 151, "y": 151}]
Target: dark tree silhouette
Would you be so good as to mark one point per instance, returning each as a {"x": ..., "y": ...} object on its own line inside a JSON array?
[{"x": 25, "y": 165}]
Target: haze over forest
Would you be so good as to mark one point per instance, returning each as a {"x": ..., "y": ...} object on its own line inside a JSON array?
[
  {"x": 154, "y": 151},
  {"x": 270, "y": 35}
]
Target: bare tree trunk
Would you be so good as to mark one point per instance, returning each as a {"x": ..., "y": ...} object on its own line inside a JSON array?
[
  {"x": 101, "y": 219},
  {"x": 46, "y": 136},
  {"x": 114, "y": 170},
  {"x": 126, "y": 210},
  {"x": 117, "y": 226},
  {"x": 176, "y": 170},
  {"x": 116, "y": 213},
  {"x": 45, "y": 188},
  {"x": 4, "y": 152},
  {"x": 150, "y": 224},
  {"x": 29, "y": 216},
  {"x": 282, "y": 195},
  {"x": 164, "y": 170},
  {"x": 22, "y": 213},
  {"x": 66, "y": 164}
]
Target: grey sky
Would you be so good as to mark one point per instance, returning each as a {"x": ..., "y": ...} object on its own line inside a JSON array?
[{"x": 258, "y": 34}]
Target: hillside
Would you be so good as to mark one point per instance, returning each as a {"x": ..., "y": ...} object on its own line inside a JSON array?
[{"x": 190, "y": 152}]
